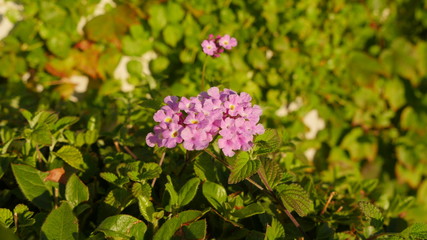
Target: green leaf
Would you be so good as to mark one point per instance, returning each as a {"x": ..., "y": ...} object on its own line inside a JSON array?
[
  {"x": 111, "y": 25},
  {"x": 416, "y": 231},
  {"x": 76, "y": 191},
  {"x": 268, "y": 142},
  {"x": 271, "y": 170},
  {"x": 41, "y": 135},
  {"x": 275, "y": 231},
  {"x": 141, "y": 189},
  {"x": 109, "y": 177},
  {"x": 136, "y": 47},
  {"x": 168, "y": 229},
  {"x": 252, "y": 209},
  {"x": 294, "y": 197},
  {"x": 159, "y": 64},
  {"x": 134, "y": 68},
  {"x": 122, "y": 226},
  {"x": 27, "y": 115},
  {"x": 204, "y": 167},
  {"x": 256, "y": 57},
  {"x": 173, "y": 194},
  {"x": 188, "y": 191},
  {"x": 175, "y": 12},
  {"x": 59, "y": 44},
  {"x": 31, "y": 182},
  {"x": 172, "y": 34},
  {"x": 243, "y": 168},
  {"x": 372, "y": 213},
  {"x": 215, "y": 194},
  {"x": 118, "y": 198},
  {"x": 25, "y": 216},
  {"x": 5, "y": 161},
  {"x": 65, "y": 122},
  {"x": 146, "y": 208},
  {"x": 8, "y": 234},
  {"x": 60, "y": 224},
  {"x": 196, "y": 230},
  {"x": 158, "y": 17},
  {"x": 72, "y": 156},
  {"x": 6, "y": 217},
  {"x": 150, "y": 170}
]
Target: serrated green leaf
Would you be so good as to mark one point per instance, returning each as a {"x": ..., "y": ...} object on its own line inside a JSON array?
[
  {"x": 146, "y": 208},
  {"x": 416, "y": 231},
  {"x": 188, "y": 191},
  {"x": 243, "y": 168},
  {"x": 25, "y": 216},
  {"x": 373, "y": 214},
  {"x": 268, "y": 142},
  {"x": 120, "y": 226},
  {"x": 168, "y": 229},
  {"x": 141, "y": 189},
  {"x": 294, "y": 197},
  {"x": 275, "y": 231},
  {"x": 60, "y": 224},
  {"x": 150, "y": 171},
  {"x": 196, "y": 230},
  {"x": 31, "y": 182},
  {"x": 72, "y": 156},
  {"x": 252, "y": 209},
  {"x": 76, "y": 191},
  {"x": 6, "y": 217},
  {"x": 109, "y": 177},
  {"x": 271, "y": 171},
  {"x": 41, "y": 135},
  {"x": 118, "y": 198},
  {"x": 215, "y": 194}
]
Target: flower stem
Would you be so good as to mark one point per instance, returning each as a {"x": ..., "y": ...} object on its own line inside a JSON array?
[{"x": 203, "y": 74}]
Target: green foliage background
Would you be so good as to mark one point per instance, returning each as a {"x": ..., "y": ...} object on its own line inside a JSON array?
[{"x": 361, "y": 64}]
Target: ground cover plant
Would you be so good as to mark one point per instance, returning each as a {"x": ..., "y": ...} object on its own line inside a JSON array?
[{"x": 213, "y": 119}]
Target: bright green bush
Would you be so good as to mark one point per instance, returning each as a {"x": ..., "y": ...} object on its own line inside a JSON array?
[{"x": 359, "y": 66}]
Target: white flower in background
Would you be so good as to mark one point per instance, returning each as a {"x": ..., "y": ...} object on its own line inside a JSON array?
[
  {"x": 5, "y": 24},
  {"x": 314, "y": 122},
  {"x": 284, "y": 110},
  {"x": 121, "y": 73}
]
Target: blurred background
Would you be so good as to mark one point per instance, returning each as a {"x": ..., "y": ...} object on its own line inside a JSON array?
[{"x": 344, "y": 82}]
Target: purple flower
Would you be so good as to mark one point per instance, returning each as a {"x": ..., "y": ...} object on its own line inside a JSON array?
[
  {"x": 227, "y": 42},
  {"x": 209, "y": 47},
  {"x": 195, "y": 139},
  {"x": 214, "y": 46},
  {"x": 196, "y": 121}
]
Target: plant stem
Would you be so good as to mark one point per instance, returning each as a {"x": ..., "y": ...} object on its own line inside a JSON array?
[
  {"x": 160, "y": 164},
  {"x": 203, "y": 74},
  {"x": 328, "y": 202}
]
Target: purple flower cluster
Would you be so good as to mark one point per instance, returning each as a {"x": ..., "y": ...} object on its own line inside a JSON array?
[
  {"x": 214, "y": 46},
  {"x": 195, "y": 122}
]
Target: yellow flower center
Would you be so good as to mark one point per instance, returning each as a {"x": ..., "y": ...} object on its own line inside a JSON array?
[
  {"x": 194, "y": 121},
  {"x": 232, "y": 107},
  {"x": 168, "y": 119},
  {"x": 174, "y": 134}
]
